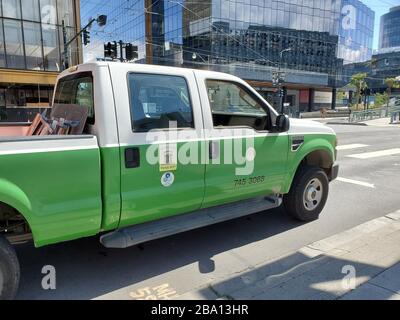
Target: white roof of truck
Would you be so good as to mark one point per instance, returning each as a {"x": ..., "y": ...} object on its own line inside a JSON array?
[{"x": 138, "y": 67}]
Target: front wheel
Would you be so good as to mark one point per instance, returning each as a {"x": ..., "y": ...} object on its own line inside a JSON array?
[
  {"x": 308, "y": 194},
  {"x": 9, "y": 270}
]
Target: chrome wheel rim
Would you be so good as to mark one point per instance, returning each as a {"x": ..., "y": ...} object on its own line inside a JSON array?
[{"x": 313, "y": 194}]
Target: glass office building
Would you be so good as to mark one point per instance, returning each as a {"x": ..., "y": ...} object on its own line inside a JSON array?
[
  {"x": 390, "y": 29},
  {"x": 247, "y": 38},
  {"x": 31, "y": 46},
  {"x": 356, "y": 32}
]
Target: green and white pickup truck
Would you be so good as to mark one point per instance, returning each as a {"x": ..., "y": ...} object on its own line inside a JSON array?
[{"x": 164, "y": 150}]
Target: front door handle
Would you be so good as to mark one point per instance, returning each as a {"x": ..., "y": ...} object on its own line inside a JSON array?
[{"x": 132, "y": 158}]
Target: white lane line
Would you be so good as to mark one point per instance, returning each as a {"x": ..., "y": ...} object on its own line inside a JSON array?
[
  {"x": 359, "y": 183},
  {"x": 376, "y": 154},
  {"x": 351, "y": 146}
]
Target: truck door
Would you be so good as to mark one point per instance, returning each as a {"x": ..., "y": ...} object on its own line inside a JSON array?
[
  {"x": 246, "y": 158},
  {"x": 160, "y": 128}
]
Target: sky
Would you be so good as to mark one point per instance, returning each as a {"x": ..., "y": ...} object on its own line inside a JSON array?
[{"x": 380, "y": 7}]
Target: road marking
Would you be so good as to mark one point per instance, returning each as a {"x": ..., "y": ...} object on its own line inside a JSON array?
[
  {"x": 359, "y": 183},
  {"x": 376, "y": 154},
  {"x": 351, "y": 146},
  {"x": 162, "y": 292}
]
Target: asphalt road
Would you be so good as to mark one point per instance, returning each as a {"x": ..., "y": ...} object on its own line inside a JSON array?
[{"x": 173, "y": 266}]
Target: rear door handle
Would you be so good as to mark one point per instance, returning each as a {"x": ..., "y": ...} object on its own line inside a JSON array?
[{"x": 132, "y": 158}]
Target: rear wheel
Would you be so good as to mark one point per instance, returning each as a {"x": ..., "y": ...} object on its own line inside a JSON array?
[
  {"x": 308, "y": 194},
  {"x": 9, "y": 270}
]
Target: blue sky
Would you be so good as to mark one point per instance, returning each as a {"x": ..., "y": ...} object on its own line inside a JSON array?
[{"x": 380, "y": 7}]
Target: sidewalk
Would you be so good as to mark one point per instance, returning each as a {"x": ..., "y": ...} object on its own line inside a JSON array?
[{"x": 361, "y": 263}]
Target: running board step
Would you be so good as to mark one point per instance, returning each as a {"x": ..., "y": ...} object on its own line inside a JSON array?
[{"x": 130, "y": 236}]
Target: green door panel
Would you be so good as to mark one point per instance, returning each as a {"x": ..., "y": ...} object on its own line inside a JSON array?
[
  {"x": 224, "y": 184},
  {"x": 59, "y": 193},
  {"x": 144, "y": 198}
]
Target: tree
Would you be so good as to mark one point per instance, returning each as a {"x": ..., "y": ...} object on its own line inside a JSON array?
[
  {"x": 358, "y": 81},
  {"x": 391, "y": 83},
  {"x": 381, "y": 99}
]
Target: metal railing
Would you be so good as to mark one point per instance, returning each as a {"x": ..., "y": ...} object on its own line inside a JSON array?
[
  {"x": 371, "y": 114},
  {"x": 395, "y": 115}
]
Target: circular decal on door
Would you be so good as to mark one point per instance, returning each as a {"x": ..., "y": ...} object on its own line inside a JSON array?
[
  {"x": 167, "y": 179},
  {"x": 251, "y": 154}
]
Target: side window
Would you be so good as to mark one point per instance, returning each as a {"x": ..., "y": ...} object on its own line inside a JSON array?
[
  {"x": 157, "y": 100},
  {"x": 232, "y": 105},
  {"x": 77, "y": 89}
]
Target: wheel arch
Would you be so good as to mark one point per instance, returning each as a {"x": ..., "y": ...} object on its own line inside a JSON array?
[
  {"x": 12, "y": 197},
  {"x": 322, "y": 156}
]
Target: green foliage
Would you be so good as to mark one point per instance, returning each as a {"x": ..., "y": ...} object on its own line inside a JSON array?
[
  {"x": 358, "y": 81},
  {"x": 381, "y": 99}
]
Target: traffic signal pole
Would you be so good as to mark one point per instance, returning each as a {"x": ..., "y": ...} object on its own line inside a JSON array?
[{"x": 101, "y": 20}]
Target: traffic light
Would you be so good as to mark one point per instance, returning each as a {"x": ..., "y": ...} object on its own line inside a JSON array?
[
  {"x": 131, "y": 51},
  {"x": 110, "y": 50},
  {"x": 86, "y": 37}
]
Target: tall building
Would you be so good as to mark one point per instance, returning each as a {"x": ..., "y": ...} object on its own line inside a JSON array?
[
  {"x": 248, "y": 38},
  {"x": 356, "y": 32},
  {"x": 31, "y": 47},
  {"x": 390, "y": 30}
]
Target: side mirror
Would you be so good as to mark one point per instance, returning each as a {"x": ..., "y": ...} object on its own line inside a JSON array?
[{"x": 282, "y": 123}]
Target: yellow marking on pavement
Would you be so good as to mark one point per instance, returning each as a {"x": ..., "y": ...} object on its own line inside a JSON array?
[{"x": 162, "y": 292}]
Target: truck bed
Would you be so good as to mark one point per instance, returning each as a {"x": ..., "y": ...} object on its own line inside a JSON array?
[{"x": 55, "y": 183}]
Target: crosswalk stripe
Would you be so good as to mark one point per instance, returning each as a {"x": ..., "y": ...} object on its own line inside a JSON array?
[
  {"x": 351, "y": 146},
  {"x": 376, "y": 154},
  {"x": 359, "y": 183}
]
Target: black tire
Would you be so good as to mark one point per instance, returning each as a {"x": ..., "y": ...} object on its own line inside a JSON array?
[
  {"x": 295, "y": 202},
  {"x": 9, "y": 270}
]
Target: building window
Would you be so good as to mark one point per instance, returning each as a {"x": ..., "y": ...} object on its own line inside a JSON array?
[
  {"x": 33, "y": 46},
  {"x": 14, "y": 44},
  {"x": 2, "y": 54},
  {"x": 30, "y": 10},
  {"x": 11, "y": 9},
  {"x": 31, "y": 34}
]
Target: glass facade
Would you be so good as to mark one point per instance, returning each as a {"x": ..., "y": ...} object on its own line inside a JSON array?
[
  {"x": 390, "y": 29},
  {"x": 31, "y": 46},
  {"x": 356, "y": 32},
  {"x": 247, "y": 38},
  {"x": 31, "y": 33}
]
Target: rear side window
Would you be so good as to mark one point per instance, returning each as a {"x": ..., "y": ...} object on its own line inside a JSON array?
[
  {"x": 158, "y": 100},
  {"x": 77, "y": 89}
]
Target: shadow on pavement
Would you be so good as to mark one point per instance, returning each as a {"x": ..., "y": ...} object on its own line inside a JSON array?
[{"x": 86, "y": 270}]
